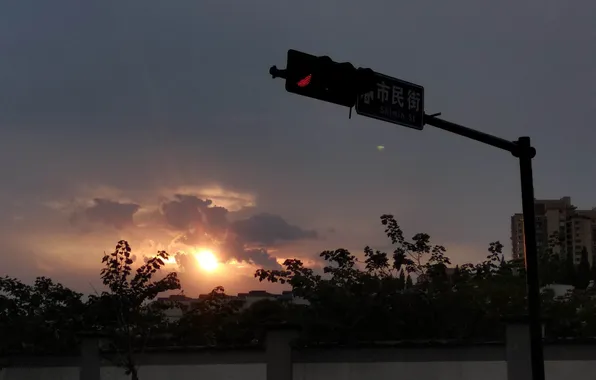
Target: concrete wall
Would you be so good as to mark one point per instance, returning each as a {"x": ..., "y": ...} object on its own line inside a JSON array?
[
  {"x": 279, "y": 362},
  {"x": 178, "y": 372},
  {"x": 212, "y": 365}
]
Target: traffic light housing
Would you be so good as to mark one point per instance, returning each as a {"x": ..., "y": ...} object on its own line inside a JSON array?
[{"x": 323, "y": 79}]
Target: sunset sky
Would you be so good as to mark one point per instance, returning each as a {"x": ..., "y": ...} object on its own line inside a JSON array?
[{"x": 120, "y": 119}]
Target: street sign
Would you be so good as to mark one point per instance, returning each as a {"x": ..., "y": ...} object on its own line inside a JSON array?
[{"x": 394, "y": 101}]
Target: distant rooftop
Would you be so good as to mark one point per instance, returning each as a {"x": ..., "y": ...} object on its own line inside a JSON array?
[{"x": 251, "y": 293}]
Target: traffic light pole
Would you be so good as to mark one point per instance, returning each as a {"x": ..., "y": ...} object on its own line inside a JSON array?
[
  {"x": 523, "y": 150},
  {"x": 341, "y": 83}
]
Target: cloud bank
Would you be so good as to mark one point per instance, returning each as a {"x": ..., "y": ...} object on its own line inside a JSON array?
[{"x": 196, "y": 223}]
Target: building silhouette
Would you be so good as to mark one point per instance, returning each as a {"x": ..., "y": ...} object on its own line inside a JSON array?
[{"x": 558, "y": 219}]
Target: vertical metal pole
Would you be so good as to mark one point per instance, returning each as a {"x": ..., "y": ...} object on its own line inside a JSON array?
[{"x": 525, "y": 154}]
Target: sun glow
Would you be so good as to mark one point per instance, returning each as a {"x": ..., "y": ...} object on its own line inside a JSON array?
[{"x": 207, "y": 260}]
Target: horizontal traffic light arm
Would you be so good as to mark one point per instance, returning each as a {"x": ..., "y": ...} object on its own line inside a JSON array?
[{"x": 277, "y": 73}]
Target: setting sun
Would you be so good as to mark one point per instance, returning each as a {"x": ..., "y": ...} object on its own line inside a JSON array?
[{"x": 207, "y": 260}]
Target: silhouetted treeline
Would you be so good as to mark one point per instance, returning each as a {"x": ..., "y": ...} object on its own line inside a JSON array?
[{"x": 412, "y": 293}]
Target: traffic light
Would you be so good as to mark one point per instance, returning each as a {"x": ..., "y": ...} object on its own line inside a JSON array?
[{"x": 322, "y": 78}]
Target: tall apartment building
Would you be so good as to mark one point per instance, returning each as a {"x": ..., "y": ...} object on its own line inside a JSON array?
[{"x": 576, "y": 228}]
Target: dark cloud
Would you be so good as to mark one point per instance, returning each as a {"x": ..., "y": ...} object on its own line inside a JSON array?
[
  {"x": 237, "y": 249},
  {"x": 105, "y": 211},
  {"x": 185, "y": 211},
  {"x": 183, "y": 260},
  {"x": 267, "y": 229},
  {"x": 246, "y": 240},
  {"x": 199, "y": 219},
  {"x": 261, "y": 257}
]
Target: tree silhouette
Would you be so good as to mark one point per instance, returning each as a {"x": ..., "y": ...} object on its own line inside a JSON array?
[
  {"x": 370, "y": 299},
  {"x": 583, "y": 271},
  {"x": 593, "y": 271},
  {"x": 569, "y": 273},
  {"x": 403, "y": 294},
  {"x": 38, "y": 318},
  {"x": 211, "y": 321},
  {"x": 402, "y": 280},
  {"x": 125, "y": 313}
]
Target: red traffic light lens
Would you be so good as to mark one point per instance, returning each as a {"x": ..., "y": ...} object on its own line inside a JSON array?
[{"x": 304, "y": 81}]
